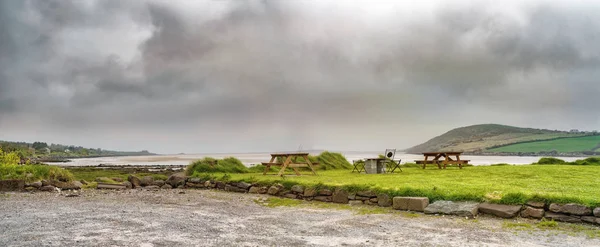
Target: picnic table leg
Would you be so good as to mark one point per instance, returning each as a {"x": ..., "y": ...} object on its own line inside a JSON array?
[
  {"x": 425, "y": 162},
  {"x": 269, "y": 166},
  {"x": 285, "y": 164},
  {"x": 310, "y": 165}
]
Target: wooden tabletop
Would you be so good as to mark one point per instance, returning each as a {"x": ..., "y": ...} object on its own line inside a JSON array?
[
  {"x": 288, "y": 154},
  {"x": 447, "y": 153}
]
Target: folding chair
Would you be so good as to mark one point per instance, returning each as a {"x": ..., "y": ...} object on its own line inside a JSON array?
[
  {"x": 391, "y": 164},
  {"x": 359, "y": 166}
]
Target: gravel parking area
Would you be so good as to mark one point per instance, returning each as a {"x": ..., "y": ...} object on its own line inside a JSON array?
[{"x": 213, "y": 218}]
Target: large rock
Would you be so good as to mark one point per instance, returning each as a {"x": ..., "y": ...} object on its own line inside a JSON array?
[
  {"x": 176, "y": 179},
  {"x": 597, "y": 212},
  {"x": 340, "y": 196},
  {"x": 369, "y": 194},
  {"x": 75, "y": 185},
  {"x": 298, "y": 189},
  {"x": 244, "y": 185},
  {"x": 275, "y": 189},
  {"x": 536, "y": 204},
  {"x": 504, "y": 211},
  {"x": 12, "y": 185},
  {"x": 383, "y": 200},
  {"x": 135, "y": 181},
  {"x": 127, "y": 184},
  {"x": 570, "y": 208},
  {"x": 590, "y": 219},
  {"x": 410, "y": 203},
  {"x": 36, "y": 185},
  {"x": 562, "y": 217},
  {"x": 325, "y": 192},
  {"x": 232, "y": 188},
  {"x": 254, "y": 190},
  {"x": 195, "y": 180},
  {"x": 165, "y": 186},
  {"x": 468, "y": 209},
  {"x": 355, "y": 202},
  {"x": 159, "y": 182},
  {"x": 48, "y": 188},
  {"x": 531, "y": 212},
  {"x": 111, "y": 186},
  {"x": 146, "y": 181}
]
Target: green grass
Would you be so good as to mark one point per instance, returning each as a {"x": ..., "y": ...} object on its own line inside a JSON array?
[
  {"x": 31, "y": 173},
  {"x": 563, "y": 145},
  {"x": 501, "y": 184},
  {"x": 91, "y": 173}
]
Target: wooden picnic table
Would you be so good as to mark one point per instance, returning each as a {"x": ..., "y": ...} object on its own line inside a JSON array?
[
  {"x": 450, "y": 158},
  {"x": 285, "y": 160}
]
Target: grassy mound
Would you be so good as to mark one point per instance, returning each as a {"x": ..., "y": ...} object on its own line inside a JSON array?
[
  {"x": 591, "y": 161},
  {"x": 327, "y": 161},
  {"x": 31, "y": 173},
  {"x": 211, "y": 165}
]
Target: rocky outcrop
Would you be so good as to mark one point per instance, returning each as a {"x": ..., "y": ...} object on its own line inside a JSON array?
[
  {"x": 468, "y": 209},
  {"x": 500, "y": 210}
]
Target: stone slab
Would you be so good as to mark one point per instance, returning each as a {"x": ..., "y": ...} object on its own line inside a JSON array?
[
  {"x": 468, "y": 209},
  {"x": 562, "y": 217},
  {"x": 531, "y": 212},
  {"x": 410, "y": 203},
  {"x": 500, "y": 210}
]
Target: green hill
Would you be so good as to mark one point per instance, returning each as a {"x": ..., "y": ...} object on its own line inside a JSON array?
[
  {"x": 562, "y": 145},
  {"x": 484, "y": 138}
]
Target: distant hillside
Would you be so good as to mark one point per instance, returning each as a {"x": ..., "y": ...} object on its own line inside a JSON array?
[
  {"x": 57, "y": 151},
  {"x": 480, "y": 138}
]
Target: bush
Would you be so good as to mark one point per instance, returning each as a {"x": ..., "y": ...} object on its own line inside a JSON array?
[
  {"x": 38, "y": 172},
  {"x": 210, "y": 165},
  {"x": 551, "y": 161}
]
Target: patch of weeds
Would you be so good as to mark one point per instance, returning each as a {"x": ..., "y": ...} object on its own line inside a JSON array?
[
  {"x": 411, "y": 215},
  {"x": 90, "y": 185},
  {"x": 272, "y": 202},
  {"x": 516, "y": 225},
  {"x": 545, "y": 224},
  {"x": 371, "y": 210}
]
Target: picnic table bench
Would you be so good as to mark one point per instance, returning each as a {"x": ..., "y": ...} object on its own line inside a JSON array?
[
  {"x": 285, "y": 160},
  {"x": 436, "y": 158}
]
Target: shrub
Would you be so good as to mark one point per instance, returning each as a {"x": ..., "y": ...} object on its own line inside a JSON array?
[
  {"x": 210, "y": 165},
  {"x": 550, "y": 161}
]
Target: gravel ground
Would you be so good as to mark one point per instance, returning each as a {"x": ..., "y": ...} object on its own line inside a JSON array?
[{"x": 212, "y": 218}]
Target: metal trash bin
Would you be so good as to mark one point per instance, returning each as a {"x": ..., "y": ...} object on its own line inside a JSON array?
[{"x": 375, "y": 165}]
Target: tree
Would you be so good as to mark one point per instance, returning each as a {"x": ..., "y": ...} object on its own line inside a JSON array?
[{"x": 39, "y": 145}]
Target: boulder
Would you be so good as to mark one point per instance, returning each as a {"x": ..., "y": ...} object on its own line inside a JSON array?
[
  {"x": 369, "y": 194},
  {"x": 291, "y": 196},
  {"x": 254, "y": 190},
  {"x": 535, "y": 204},
  {"x": 531, "y": 212},
  {"x": 275, "y": 189},
  {"x": 323, "y": 198},
  {"x": 590, "y": 219},
  {"x": 208, "y": 184},
  {"x": 146, "y": 181},
  {"x": 571, "y": 208},
  {"x": 176, "y": 179},
  {"x": 219, "y": 185},
  {"x": 298, "y": 189},
  {"x": 48, "y": 188},
  {"x": 562, "y": 217},
  {"x": 83, "y": 182},
  {"x": 30, "y": 188},
  {"x": 500, "y": 210},
  {"x": 596, "y": 212},
  {"x": 383, "y": 200},
  {"x": 310, "y": 192},
  {"x": 158, "y": 182},
  {"x": 369, "y": 202},
  {"x": 75, "y": 185},
  {"x": 12, "y": 185},
  {"x": 355, "y": 202},
  {"x": 194, "y": 180},
  {"x": 127, "y": 184},
  {"x": 164, "y": 187},
  {"x": 352, "y": 196},
  {"x": 135, "y": 181},
  {"x": 468, "y": 209},
  {"x": 373, "y": 200},
  {"x": 325, "y": 192},
  {"x": 120, "y": 180},
  {"x": 410, "y": 203},
  {"x": 340, "y": 196},
  {"x": 36, "y": 185},
  {"x": 244, "y": 185},
  {"x": 232, "y": 188},
  {"x": 263, "y": 190}
]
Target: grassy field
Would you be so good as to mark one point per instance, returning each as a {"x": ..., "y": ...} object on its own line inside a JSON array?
[
  {"x": 564, "y": 145},
  {"x": 503, "y": 184}
]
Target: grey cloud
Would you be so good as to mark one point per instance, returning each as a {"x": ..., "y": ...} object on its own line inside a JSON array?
[{"x": 278, "y": 64}]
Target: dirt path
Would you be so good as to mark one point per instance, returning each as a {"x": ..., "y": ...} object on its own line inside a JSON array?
[{"x": 210, "y": 218}]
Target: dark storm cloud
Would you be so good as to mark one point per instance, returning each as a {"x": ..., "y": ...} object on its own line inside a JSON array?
[{"x": 268, "y": 64}]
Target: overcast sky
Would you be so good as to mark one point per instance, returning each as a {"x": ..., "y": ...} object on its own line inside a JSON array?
[{"x": 237, "y": 76}]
